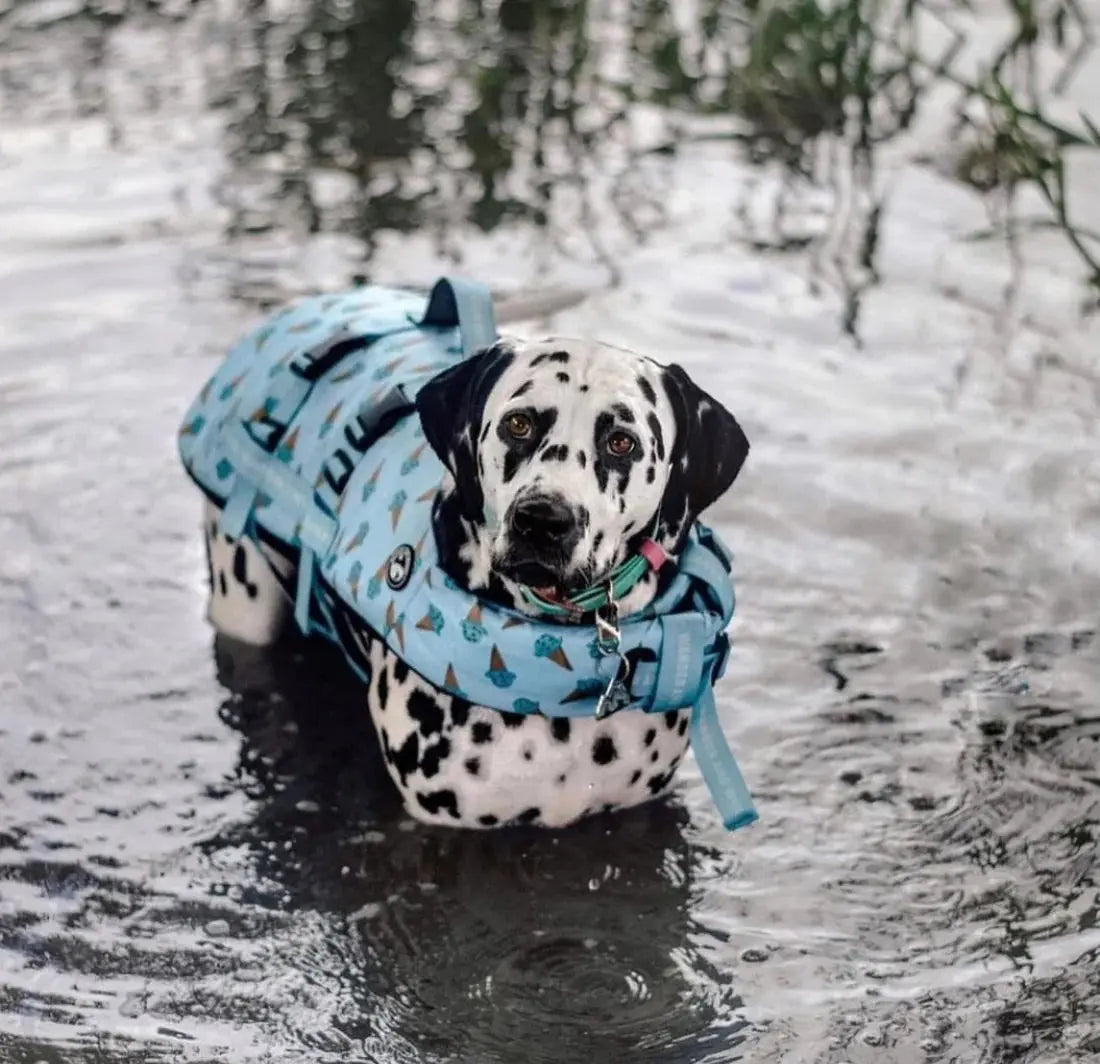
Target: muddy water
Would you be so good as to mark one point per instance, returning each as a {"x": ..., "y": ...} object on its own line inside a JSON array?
[{"x": 198, "y": 861}]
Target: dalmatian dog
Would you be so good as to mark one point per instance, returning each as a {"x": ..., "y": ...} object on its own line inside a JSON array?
[{"x": 562, "y": 456}]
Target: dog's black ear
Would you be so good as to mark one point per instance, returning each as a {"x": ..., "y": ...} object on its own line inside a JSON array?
[
  {"x": 707, "y": 455},
  {"x": 451, "y": 406}
]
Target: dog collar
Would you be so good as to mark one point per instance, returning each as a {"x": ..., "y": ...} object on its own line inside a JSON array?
[{"x": 621, "y": 581}]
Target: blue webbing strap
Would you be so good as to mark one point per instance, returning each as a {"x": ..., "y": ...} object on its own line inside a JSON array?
[
  {"x": 680, "y": 665},
  {"x": 718, "y": 767},
  {"x": 255, "y": 470},
  {"x": 685, "y": 657},
  {"x": 467, "y": 304},
  {"x": 702, "y": 564}
]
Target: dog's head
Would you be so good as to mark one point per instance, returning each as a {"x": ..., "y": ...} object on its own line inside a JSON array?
[{"x": 566, "y": 454}]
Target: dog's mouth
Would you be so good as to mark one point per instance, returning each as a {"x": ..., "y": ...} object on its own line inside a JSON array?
[{"x": 546, "y": 581}]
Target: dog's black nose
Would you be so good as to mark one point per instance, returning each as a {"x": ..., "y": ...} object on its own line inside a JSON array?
[{"x": 543, "y": 519}]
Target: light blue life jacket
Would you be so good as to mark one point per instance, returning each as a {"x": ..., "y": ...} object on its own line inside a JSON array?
[{"x": 307, "y": 436}]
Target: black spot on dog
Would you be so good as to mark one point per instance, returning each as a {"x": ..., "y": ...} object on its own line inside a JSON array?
[
  {"x": 550, "y": 356},
  {"x": 512, "y": 720},
  {"x": 222, "y": 582},
  {"x": 683, "y": 726},
  {"x": 654, "y": 424},
  {"x": 460, "y": 711},
  {"x": 584, "y": 388},
  {"x": 563, "y": 377},
  {"x": 603, "y": 750},
  {"x": 522, "y": 390},
  {"x": 637, "y": 775},
  {"x": 429, "y": 763},
  {"x": 561, "y": 779},
  {"x": 556, "y": 453},
  {"x": 400, "y": 670},
  {"x": 647, "y": 390},
  {"x": 528, "y": 752},
  {"x": 623, "y": 413},
  {"x": 488, "y": 820},
  {"x": 582, "y": 461},
  {"x": 650, "y": 475},
  {"x": 560, "y": 728},
  {"x": 653, "y": 757},
  {"x": 481, "y": 732},
  {"x": 650, "y": 736},
  {"x": 427, "y": 712},
  {"x": 660, "y": 781},
  {"x": 407, "y": 757},
  {"x": 439, "y": 800},
  {"x": 240, "y": 571},
  {"x": 529, "y": 815},
  {"x": 473, "y": 765},
  {"x": 670, "y": 719},
  {"x": 383, "y": 688}
]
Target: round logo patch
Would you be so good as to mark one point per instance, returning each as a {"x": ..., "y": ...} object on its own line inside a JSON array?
[{"x": 400, "y": 566}]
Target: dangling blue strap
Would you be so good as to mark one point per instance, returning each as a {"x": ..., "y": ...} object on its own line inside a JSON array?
[
  {"x": 467, "y": 304},
  {"x": 717, "y": 764}
]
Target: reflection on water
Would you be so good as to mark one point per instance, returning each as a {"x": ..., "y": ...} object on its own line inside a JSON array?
[{"x": 869, "y": 226}]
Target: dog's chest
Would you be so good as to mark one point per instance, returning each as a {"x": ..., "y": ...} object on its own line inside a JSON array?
[{"x": 467, "y": 765}]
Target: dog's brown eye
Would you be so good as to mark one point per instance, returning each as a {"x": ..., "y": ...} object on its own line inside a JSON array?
[
  {"x": 620, "y": 444},
  {"x": 518, "y": 425}
]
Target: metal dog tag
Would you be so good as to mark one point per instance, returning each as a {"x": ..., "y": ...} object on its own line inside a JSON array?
[{"x": 615, "y": 697}]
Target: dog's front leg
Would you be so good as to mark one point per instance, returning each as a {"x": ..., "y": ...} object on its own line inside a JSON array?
[{"x": 247, "y": 602}]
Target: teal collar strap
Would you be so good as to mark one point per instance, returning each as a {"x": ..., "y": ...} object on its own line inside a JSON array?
[{"x": 620, "y": 582}]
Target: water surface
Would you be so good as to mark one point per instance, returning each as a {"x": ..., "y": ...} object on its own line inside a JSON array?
[{"x": 198, "y": 861}]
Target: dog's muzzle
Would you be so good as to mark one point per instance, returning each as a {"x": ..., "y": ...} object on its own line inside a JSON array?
[{"x": 543, "y": 531}]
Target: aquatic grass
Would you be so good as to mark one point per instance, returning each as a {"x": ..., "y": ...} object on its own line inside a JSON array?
[
  {"x": 852, "y": 75},
  {"x": 1017, "y": 146}
]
